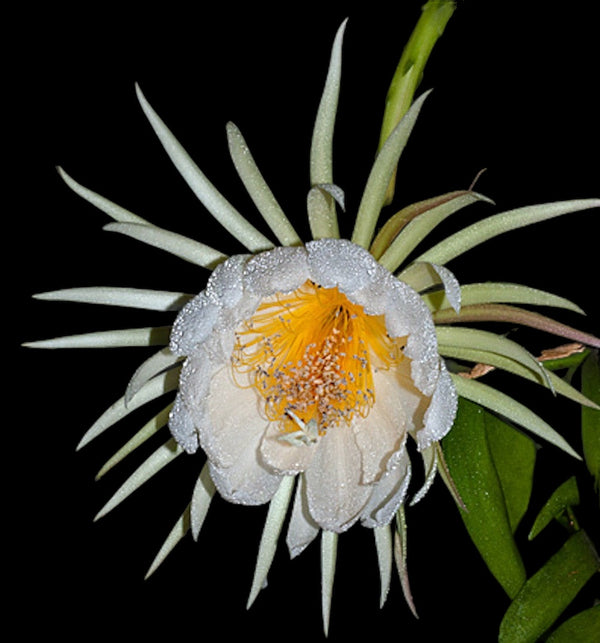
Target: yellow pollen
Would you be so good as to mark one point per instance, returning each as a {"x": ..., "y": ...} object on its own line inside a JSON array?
[{"x": 311, "y": 355}]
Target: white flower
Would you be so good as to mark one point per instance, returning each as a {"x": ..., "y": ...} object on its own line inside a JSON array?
[
  {"x": 312, "y": 360},
  {"x": 308, "y": 366}
]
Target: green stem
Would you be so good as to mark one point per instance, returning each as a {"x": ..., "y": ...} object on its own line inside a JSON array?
[{"x": 434, "y": 17}]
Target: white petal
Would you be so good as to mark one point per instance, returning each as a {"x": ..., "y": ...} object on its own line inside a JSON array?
[
  {"x": 451, "y": 286},
  {"x": 225, "y": 284},
  {"x": 194, "y": 324},
  {"x": 233, "y": 423},
  {"x": 334, "y": 490},
  {"x": 389, "y": 493},
  {"x": 279, "y": 270},
  {"x": 231, "y": 437},
  {"x": 407, "y": 315},
  {"x": 302, "y": 529},
  {"x": 373, "y": 296},
  {"x": 382, "y": 433},
  {"x": 245, "y": 483},
  {"x": 338, "y": 262},
  {"x": 188, "y": 422},
  {"x": 441, "y": 412},
  {"x": 182, "y": 427},
  {"x": 282, "y": 456}
]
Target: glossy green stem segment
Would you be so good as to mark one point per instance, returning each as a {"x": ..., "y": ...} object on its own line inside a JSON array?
[
  {"x": 409, "y": 72},
  {"x": 548, "y": 592},
  {"x": 471, "y": 463},
  {"x": 558, "y": 507},
  {"x": 590, "y": 418}
]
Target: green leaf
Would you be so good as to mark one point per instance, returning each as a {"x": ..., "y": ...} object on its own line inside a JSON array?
[
  {"x": 467, "y": 452},
  {"x": 590, "y": 418},
  {"x": 581, "y": 628},
  {"x": 514, "y": 458},
  {"x": 559, "y": 503},
  {"x": 548, "y": 592}
]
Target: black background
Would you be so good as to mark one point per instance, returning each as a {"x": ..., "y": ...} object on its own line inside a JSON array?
[{"x": 515, "y": 91}]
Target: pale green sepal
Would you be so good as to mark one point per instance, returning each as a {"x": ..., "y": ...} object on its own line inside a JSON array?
[
  {"x": 125, "y": 297},
  {"x": 375, "y": 190},
  {"x": 156, "y": 387},
  {"x": 206, "y": 192},
  {"x": 268, "y": 543},
  {"x": 510, "y": 409},
  {"x": 258, "y": 189},
  {"x": 329, "y": 541},
  {"x": 514, "y": 315},
  {"x": 157, "y": 363},
  {"x": 384, "y": 545},
  {"x": 321, "y": 216},
  {"x": 179, "y": 530},
  {"x": 475, "y": 339},
  {"x": 127, "y": 337},
  {"x": 486, "y": 229},
  {"x": 172, "y": 242},
  {"x": 422, "y": 276},
  {"x": 204, "y": 491},
  {"x": 562, "y": 500},
  {"x": 147, "y": 431},
  {"x": 321, "y": 150},
  {"x": 416, "y": 230},
  {"x": 560, "y": 386},
  {"x": 400, "y": 556},
  {"x": 157, "y": 461},
  {"x": 113, "y": 210},
  {"x": 499, "y": 292},
  {"x": 430, "y": 463}
]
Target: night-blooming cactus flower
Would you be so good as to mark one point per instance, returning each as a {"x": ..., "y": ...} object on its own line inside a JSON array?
[
  {"x": 312, "y": 360},
  {"x": 304, "y": 370}
]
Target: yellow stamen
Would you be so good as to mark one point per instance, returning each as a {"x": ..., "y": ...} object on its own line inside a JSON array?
[{"x": 311, "y": 355}]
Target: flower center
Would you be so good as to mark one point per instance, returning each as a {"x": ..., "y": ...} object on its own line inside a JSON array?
[{"x": 311, "y": 355}]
